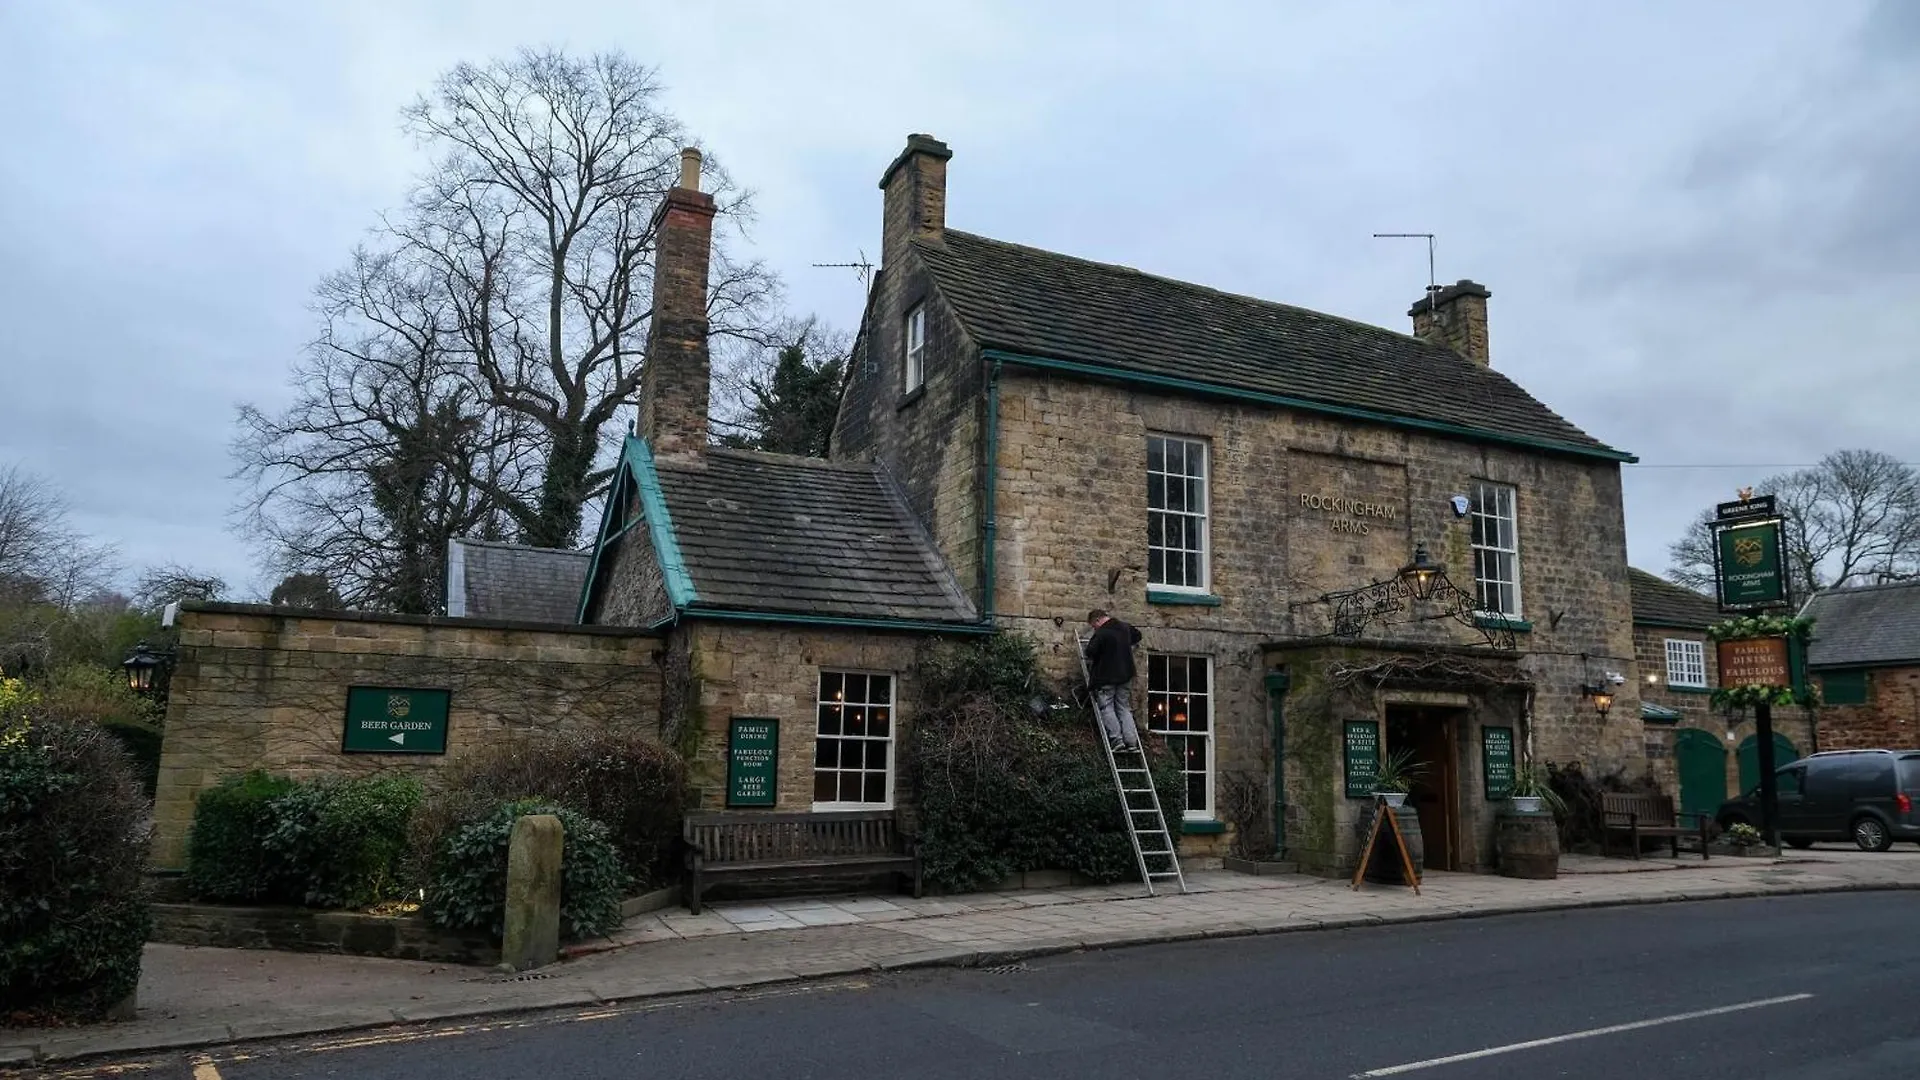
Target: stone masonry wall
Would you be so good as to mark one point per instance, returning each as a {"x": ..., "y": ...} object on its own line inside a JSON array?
[
  {"x": 774, "y": 671},
  {"x": 1890, "y": 720},
  {"x": 632, "y": 590},
  {"x": 1072, "y": 516},
  {"x": 929, "y": 440},
  {"x": 265, "y": 688}
]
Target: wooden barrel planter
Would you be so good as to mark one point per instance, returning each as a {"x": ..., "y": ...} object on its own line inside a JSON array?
[
  {"x": 1384, "y": 867},
  {"x": 1528, "y": 844}
]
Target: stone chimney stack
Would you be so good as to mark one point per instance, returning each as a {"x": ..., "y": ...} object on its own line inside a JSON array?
[
  {"x": 916, "y": 197},
  {"x": 674, "y": 388},
  {"x": 1455, "y": 316}
]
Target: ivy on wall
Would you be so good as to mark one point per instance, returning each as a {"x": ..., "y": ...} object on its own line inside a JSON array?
[{"x": 1745, "y": 627}]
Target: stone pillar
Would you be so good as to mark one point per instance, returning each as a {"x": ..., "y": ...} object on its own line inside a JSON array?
[{"x": 532, "y": 935}]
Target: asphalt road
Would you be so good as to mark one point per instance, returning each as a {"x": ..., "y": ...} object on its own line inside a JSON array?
[{"x": 1816, "y": 987}]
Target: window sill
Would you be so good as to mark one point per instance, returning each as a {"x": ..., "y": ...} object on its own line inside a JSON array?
[
  {"x": 1203, "y": 828},
  {"x": 1502, "y": 622},
  {"x": 1689, "y": 689},
  {"x": 913, "y": 397},
  {"x": 1167, "y": 596}
]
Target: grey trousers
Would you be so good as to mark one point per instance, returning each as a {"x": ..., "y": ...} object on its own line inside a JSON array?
[{"x": 1113, "y": 705}]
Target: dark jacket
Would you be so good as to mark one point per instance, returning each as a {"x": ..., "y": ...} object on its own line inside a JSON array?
[{"x": 1110, "y": 653}]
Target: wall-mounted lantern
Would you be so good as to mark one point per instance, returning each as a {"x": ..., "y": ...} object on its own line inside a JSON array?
[
  {"x": 1421, "y": 576},
  {"x": 140, "y": 665}
]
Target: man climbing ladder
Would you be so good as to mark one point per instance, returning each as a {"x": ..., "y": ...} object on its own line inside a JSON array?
[
  {"x": 1109, "y": 668},
  {"x": 1106, "y": 660}
]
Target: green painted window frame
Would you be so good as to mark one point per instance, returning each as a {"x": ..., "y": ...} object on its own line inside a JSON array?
[
  {"x": 1162, "y": 596},
  {"x": 1847, "y": 686},
  {"x": 1496, "y": 622},
  {"x": 1197, "y": 827}
]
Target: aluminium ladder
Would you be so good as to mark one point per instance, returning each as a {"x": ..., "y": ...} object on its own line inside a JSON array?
[{"x": 1139, "y": 806}]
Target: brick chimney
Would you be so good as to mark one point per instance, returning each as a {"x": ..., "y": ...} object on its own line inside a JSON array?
[
  {"x": 916, "y": 197},
  {"x": 1455, "y": 316},
  {"x": 674, "y": 384}
]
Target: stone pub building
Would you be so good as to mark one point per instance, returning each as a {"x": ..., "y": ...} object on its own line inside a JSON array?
[{"x": 1026, "y": 435}]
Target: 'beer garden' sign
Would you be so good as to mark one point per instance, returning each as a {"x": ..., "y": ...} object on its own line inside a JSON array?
[{"x": 395, "y": 720}]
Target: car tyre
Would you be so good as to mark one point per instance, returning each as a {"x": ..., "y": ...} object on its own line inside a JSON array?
[
  {"x": 1871, "y": 834},
  {"x": 1800, "y": 842}
]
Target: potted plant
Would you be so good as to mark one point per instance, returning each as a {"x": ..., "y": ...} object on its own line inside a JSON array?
[
  {"x": 1394, "y": 777},
  {"x": 1532, "y": 792}
]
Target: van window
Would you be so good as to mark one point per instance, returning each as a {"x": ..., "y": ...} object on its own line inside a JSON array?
[
  {"x": 1910, "y": 774},
  {"x": 1787, "y": 781},
  {"x": 1867, "y": 774}
]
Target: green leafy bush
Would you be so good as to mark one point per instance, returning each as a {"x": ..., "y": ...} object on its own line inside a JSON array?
[
  {"x": 227, "y": 855},
  {"x": 628, "y": 782},
  {"x": 1007, "y": 787},
  {"x": 142, "y": 744},
  {"x": 331, "y": 842},
  {"x": 339, "y": 842},
  {"x": 468, "y": 884},
  {"x": 73, "y": 910}
]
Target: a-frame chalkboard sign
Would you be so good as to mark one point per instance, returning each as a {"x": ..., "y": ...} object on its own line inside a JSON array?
[{"x": 1383, "y": 812}]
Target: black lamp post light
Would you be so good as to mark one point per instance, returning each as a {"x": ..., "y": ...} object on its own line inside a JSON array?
[{"x": 141, "y": 665}]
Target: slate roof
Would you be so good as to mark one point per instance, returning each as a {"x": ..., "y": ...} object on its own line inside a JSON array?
[
  {"x": 805, "y": 536},
  {"x": 1659, "y": 602},
  {"x": 1876, "y": 624},
  {"x": 1038, "y": 303},
  {"x": 491, "y": 580}
]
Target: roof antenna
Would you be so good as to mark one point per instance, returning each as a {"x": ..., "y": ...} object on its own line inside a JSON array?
[
  {"x": 862, "y": 267},
  {"x": 1433, "y": 284}
]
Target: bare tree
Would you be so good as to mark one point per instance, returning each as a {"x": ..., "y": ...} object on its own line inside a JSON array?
[
  {"x": 1853, "y": 519},
  {"x": 164, "y": 584},
  {"x": 474, "y": 356},
  {"x": 538, "y": 220},
  {"x": 34, "y": 530}
]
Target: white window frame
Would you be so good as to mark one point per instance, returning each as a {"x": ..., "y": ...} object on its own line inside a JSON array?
[
  {"x": 1511, "y": 519},
  {"x": 1162, "y": 705},
  {"x": 915, "y": 336},
  {"x": 822, "y": 701},
  {"x": 1204, "y": 515},
  {"x": 1687, "y": 663}
]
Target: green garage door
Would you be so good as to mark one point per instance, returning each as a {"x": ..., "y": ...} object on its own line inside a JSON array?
[
  {"x": 1701, "y": 760},
  {"x": 1783, "y": 752}
]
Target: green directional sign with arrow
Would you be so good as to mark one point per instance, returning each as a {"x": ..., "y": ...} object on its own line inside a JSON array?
[{"x": 395, "y": 720}]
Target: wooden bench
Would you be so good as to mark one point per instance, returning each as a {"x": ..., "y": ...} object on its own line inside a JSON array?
[
  {"x": 746, "y": 845},
  {"x": 1649, "y": 815}
]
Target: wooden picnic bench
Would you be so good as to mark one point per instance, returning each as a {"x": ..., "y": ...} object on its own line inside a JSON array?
[
  {"x": 748, "y": 845},
  {"x": 1638, "y": 815}
]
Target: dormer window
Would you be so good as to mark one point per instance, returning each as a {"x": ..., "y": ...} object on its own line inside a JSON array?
[{"x": 916, "y": 365}]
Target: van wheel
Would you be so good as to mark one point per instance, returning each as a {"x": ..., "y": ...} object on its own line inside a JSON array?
[
  {"x": 1871, "y": 833},
  {"x": 1800, "y": 842}
]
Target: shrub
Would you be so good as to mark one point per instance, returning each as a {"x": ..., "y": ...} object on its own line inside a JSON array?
[
  {"x": 227, "y": 856},
  {"x": 631, "y": 784},
  {"x": 1005, "y": 787},
  {"x": 142, "y": 744},
  {"x": 73, "y": 910},
  {"x": 1581, "y": 810},
  {"x": 331, "y": 842},
  {"x": 468, "y": 884},
  {"x": 339, "y": 842}
]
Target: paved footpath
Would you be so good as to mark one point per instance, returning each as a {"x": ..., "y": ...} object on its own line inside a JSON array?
[{"x": 204, "y": 997}]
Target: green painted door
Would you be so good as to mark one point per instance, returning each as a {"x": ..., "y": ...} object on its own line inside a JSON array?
[
  {"x": 1783, "y": 752},
  {"x": 1701, "y": 761}
]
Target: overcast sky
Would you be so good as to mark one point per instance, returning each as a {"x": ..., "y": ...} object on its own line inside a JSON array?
[{"x": 1697, "y": 220}]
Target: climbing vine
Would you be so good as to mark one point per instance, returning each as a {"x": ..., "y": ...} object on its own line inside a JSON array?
[{"x": 1758, "y": 626}]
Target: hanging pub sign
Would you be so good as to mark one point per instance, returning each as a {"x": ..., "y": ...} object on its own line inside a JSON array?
[
  {"x": 1362, "y": 757},
  {"x": 1759, "y": 661},
  {"x": 753, "y": 752},
  {"x": 1747, "y": 564},
  {"x": 1496, "y": 762}
]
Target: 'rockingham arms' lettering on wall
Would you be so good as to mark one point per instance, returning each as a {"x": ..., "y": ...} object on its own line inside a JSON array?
[{"x": 1347, "y": 515}]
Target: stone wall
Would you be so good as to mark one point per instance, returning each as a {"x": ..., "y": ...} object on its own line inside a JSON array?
[
  {"x": 258, "y": 687},
  {"x": 1890, "y": 720},
  {"x": 773, "y": 670},
  {"x": 630, "y": 590},
  {"x": 1072, "y": 518}
]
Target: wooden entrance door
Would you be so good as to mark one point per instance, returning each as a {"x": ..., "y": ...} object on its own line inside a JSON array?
[
  {"x": 1431, "y": 734},
  {"x": 1701, "y": 760}
]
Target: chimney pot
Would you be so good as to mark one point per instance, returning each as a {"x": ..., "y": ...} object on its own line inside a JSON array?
[{"x": 690, "y": 169}]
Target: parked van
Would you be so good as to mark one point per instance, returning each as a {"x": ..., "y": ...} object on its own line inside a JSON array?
[{"x": 1867, "y": 796}]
